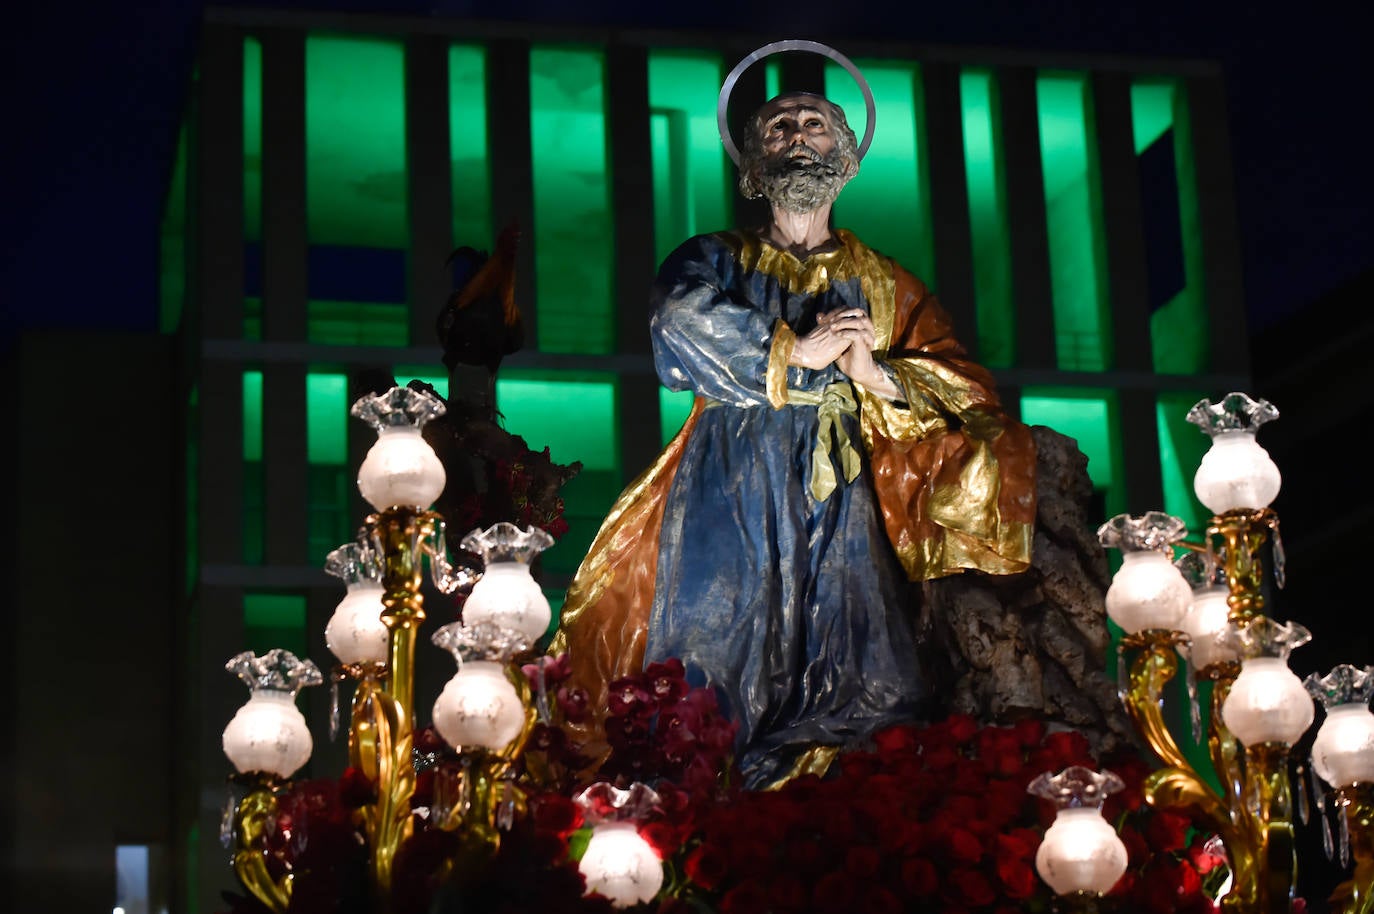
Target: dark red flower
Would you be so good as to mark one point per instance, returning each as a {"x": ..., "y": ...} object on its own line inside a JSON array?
[
  {"x": 970, "y": 887},
  {"x": 919, "y": 877},
  {"x": 879, "y": 900},
  {"x": 667, "y": 681},
  {"x": 706, "y": 866},
  {"x": 862, "y": 862},
  {"x": 963, "y": 846},
  {"x": 630, "y": 696},
  {"x": 787, "y": 894},
  {"x": 1017, "y": 877},
  {"x": 834, "y": 891},
  {"x": 1167, "y": 830},
  {"x": 745, "y": 898},
  {"x": 355, "y": 788},
  {"x": 574, "y": 703},
  {"x": 896, "y": 741},
  {"x": 662, "y": 836},
  {"x": 554, "y": 813}
]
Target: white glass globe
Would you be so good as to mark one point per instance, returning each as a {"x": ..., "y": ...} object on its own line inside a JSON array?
[
  {"x": 356, "y": 632},
  {"x": 1147, "y": 592},
  {"x": 1207, "y": 624},
  {"x": 1267, "y": 704},
  {"x": 268, "y": 734},
  {"x": 479, "y": 707},
  {"x": 1343, "y": 751},
  {"x": 1081, "y": 852},
  {"x": 621, "y": 865},
  {"x": 400, "y": 469},
  {"x": 1236, "y": 473},
  {"x": 507, "y": 595}
]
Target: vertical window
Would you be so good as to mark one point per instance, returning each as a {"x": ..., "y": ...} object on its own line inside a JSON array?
[
  {"x": 587, "y": 430},
  {"x": 356, "y": 190},
  {"x": 692, "y": 187},
  {"x": 252, "y": 140},
  {"x": 1173, "y": 245},
  {"x": 254, "y": 479},
  {"x": 327, "y": 476},
  {"x": 172, "y": 244},
  {"x": 1181, "y": 446},
  {"x": 1073, "y": 217},
  {"x": 987, "y": 201},
  {"x": 886, "y": 204},
  {"x": 573, "y": 231},
  {"x": 467, "y": 137},
  {"x": 140, "y": 879},
  {"x": 1090, "y": 418}
]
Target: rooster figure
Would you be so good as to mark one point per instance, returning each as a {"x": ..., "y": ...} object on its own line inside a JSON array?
[{"x": 480, "y": 323}]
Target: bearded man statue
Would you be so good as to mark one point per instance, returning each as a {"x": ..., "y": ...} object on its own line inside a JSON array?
[{"x": 841, "y": 446}]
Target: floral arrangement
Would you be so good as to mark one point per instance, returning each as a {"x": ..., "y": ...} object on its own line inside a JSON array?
[{"x": 926, "y": 817}]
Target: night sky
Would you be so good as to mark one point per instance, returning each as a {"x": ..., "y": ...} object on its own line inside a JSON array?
[{"x": 94, "y": 94}]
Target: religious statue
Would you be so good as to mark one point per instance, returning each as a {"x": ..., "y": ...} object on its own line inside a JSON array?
[{"x": 841, "y": 446}]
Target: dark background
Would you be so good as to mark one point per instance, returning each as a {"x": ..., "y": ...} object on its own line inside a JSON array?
[{"x": 93, "y": 93}]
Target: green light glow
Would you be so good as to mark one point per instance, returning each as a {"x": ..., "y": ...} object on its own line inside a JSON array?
[
  {"x": 326, "y": 415},
  {"x": 772, "y": 78},
  {"x": 992, "y": 287},
  {"x": 341, "y": 323},
  {"x": 1178, "y": 329},
  {"x": 691, "y": 185},
  {"x": 252, "y": 139},
  {"x": 1152, "y": 111},
  {"x": 1089, "y": 417},
  {"x": 885, "y": 204},
  {"x": 574, "y": 416},
  {"x": 573, "y": 232},
  {"x": 272, "y": 620},
  {"x": 1081, "y": 316},
  {"x": 467, "y": 124},
  {"x": 1181, "y": 446},
  {"x": 355, "y": 141},
  {"x": 673, "y": 408},
  {"x": 252, "y": 416},
  {"x": 172, "y": 244}
]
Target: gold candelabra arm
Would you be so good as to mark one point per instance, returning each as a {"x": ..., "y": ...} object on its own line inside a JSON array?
[
  {"x": 1154, "y": 665},
  {"x": 1356, "y": 895},
  {"x": 253, "y": 817},
  {"x": 1267, "y": 808},
  {"x": 389, "y": 823},
  {"x": 1243, "y": 532}
]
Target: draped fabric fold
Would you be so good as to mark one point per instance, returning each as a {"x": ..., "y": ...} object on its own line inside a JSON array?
[{"x": 741, "y": 551}]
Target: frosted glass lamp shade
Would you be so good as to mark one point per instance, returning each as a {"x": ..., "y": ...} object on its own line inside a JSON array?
[
  {"x": 1147, "y": 592},
  {"x": 479, "y": 707},
  {"x": 356, "y": 632},
  {"x": 621, "y": 865},
  {"x": 268, "y": 734},
  {"x": 1081, "y": 852},
  {"x": 507, "y": 595},
  {"x": 400, "y": 469},
  {"x": 1207, "y": 624},
  {"x": 1343, "y": 751},
  {"x": 1236, "y": 473},
  {"x": 1267, "y": 703}
]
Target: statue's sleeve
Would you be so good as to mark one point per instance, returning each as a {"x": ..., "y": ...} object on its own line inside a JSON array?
[
  {"x": 955, "y": 475},
  {"x": 708, "y": 336}
]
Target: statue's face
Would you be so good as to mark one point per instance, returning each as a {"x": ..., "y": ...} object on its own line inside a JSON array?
[
  {"x": 796, "y": 121},
  {"x": 799, "y": 154}
]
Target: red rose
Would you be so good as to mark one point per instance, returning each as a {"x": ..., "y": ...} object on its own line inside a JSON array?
[
  {"x": 706, "y": 866},
  {"x": 863, "y": 861},
  {"x": 970, "y": 887},
  {"x": 787, "y": 895},
  {"x": 963, "y": 846},
  {"x": 962, "y": 727},
  {"x": 663, "y": 837},
  {"x": 1017, "y": 877},
  {"x": 804, "y": 853},
  {"x": 879, "y": 900},
  {"x": 554, "y": 814},
  {"x": 895, "y": 741},
  {"x": 919, "y": 877},
  {"x": 355, "y": 788},
  {"x": 1167, "y": 830},
  {"x": 834, "y": 891},
  {"x": 1029, "y": 732},
  {"x": 745, "y": 898},
  {"x": 574, "y": 703}
]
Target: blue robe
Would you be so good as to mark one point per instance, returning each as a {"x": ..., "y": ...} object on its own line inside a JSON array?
[{"x": 794, "y": 609}]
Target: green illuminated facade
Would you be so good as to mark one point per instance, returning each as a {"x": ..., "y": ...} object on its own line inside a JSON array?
[{"x": 1075, "y": 218}]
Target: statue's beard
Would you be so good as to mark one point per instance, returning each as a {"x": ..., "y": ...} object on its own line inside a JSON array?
[{"x": 801, "y": 180}]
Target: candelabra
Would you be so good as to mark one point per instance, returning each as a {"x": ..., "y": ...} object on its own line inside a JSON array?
[
  {"x": 1207, "y": 605},
  {"x": 485, "y": 713}
]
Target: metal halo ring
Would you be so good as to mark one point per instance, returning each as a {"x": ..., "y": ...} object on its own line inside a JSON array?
[{"x": 776, "y": 47}]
